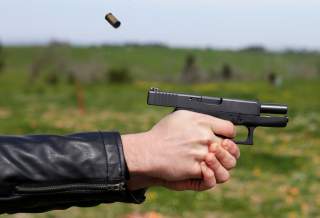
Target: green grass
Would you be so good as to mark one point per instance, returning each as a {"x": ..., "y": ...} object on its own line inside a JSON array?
[{"x": 277, "y": 177}]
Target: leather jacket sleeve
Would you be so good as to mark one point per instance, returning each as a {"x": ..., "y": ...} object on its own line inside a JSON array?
[{"x": 44, "y": 172}]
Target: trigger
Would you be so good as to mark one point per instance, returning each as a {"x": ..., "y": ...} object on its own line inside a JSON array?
[
  {"x": 250, "y": 135},
  {"x": 249, "y": 140}
]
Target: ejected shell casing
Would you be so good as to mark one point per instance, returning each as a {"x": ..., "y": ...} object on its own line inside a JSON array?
[{"x": 112, "y": 20}]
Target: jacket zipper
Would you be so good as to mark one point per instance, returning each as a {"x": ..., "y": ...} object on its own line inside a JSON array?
[{"x": 71, "y": 187}]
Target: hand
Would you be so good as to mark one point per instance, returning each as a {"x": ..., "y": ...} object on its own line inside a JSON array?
[
  {"x": 222, "y": 158},
  {"x": 174, "y": 150},
  {"x": 207, "y": 182}
]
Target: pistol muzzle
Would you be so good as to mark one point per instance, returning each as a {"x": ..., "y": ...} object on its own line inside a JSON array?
[{"x": 274, "y": 109}]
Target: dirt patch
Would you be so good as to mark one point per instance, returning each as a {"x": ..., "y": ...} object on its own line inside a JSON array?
[
  {"x": 4, "y": 113},
  {"x": 145, "y": 215}
]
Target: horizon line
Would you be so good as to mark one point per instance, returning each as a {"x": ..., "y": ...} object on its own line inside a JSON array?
[{"x": 258, "y": 46}]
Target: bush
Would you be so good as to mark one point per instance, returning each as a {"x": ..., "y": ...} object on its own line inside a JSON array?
[
  {"x": 191, "y": 72},
  {"x": 255, "y": 48},
  {"x": 89, "y": 71},
  {"x": 51, "y": 65},
  {"x": 119, "y": 75},
  {"x": 226, "y": 72}
]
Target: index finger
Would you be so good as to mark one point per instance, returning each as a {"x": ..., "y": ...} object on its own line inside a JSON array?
[{"x": 220, "y": 127}]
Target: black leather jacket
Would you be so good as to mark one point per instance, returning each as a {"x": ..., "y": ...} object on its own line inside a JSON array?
[{"x": 44, "y": 172}]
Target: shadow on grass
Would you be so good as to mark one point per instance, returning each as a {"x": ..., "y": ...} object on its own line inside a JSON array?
[{"x": 274, "y": 163}]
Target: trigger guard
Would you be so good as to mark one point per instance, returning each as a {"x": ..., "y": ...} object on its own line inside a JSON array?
[{"x": 249, "y": 140}]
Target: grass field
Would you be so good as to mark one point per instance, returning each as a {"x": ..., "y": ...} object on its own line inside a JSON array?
[
  {"x": 161, "y": 63},
  {"x": 278, "y": 177}
]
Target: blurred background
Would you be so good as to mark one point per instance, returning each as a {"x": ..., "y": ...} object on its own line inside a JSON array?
[{"x": 63, "y": 69}]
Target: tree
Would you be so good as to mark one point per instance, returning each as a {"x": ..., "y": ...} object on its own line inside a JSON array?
[{"x": 191, "y": 72}]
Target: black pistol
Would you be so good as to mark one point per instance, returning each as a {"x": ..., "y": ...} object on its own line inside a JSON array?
[{"x": 239, "y": 112}]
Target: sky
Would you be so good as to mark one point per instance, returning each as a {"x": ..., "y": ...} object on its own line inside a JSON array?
[{"x": 275, "y": 24}]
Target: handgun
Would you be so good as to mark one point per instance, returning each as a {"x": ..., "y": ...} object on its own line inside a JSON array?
[{"x": 248, "y": 113}]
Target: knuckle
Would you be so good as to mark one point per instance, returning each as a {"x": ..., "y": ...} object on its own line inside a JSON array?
[
  {"x": 220, "y": 152},
  {"x": 206, "y": 136},
  {"x": 213, "y": 162},
  {"x": 202, "y": 134},
  {"x": 182, "y": 113}
]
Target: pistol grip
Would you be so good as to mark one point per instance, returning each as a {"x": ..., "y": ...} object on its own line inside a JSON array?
[{"x": 248, "y": 141}]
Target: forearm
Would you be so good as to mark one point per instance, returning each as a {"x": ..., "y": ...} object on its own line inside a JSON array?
[{"x": 44, "y": 172}]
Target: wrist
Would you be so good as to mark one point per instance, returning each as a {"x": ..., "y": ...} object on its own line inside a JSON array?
[
  {"x": 140, "y": 182},
  {"x": 134, "y": 147}
]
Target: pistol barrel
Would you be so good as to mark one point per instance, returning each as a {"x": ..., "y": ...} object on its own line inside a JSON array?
[{"x": 274, "y": 109}]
